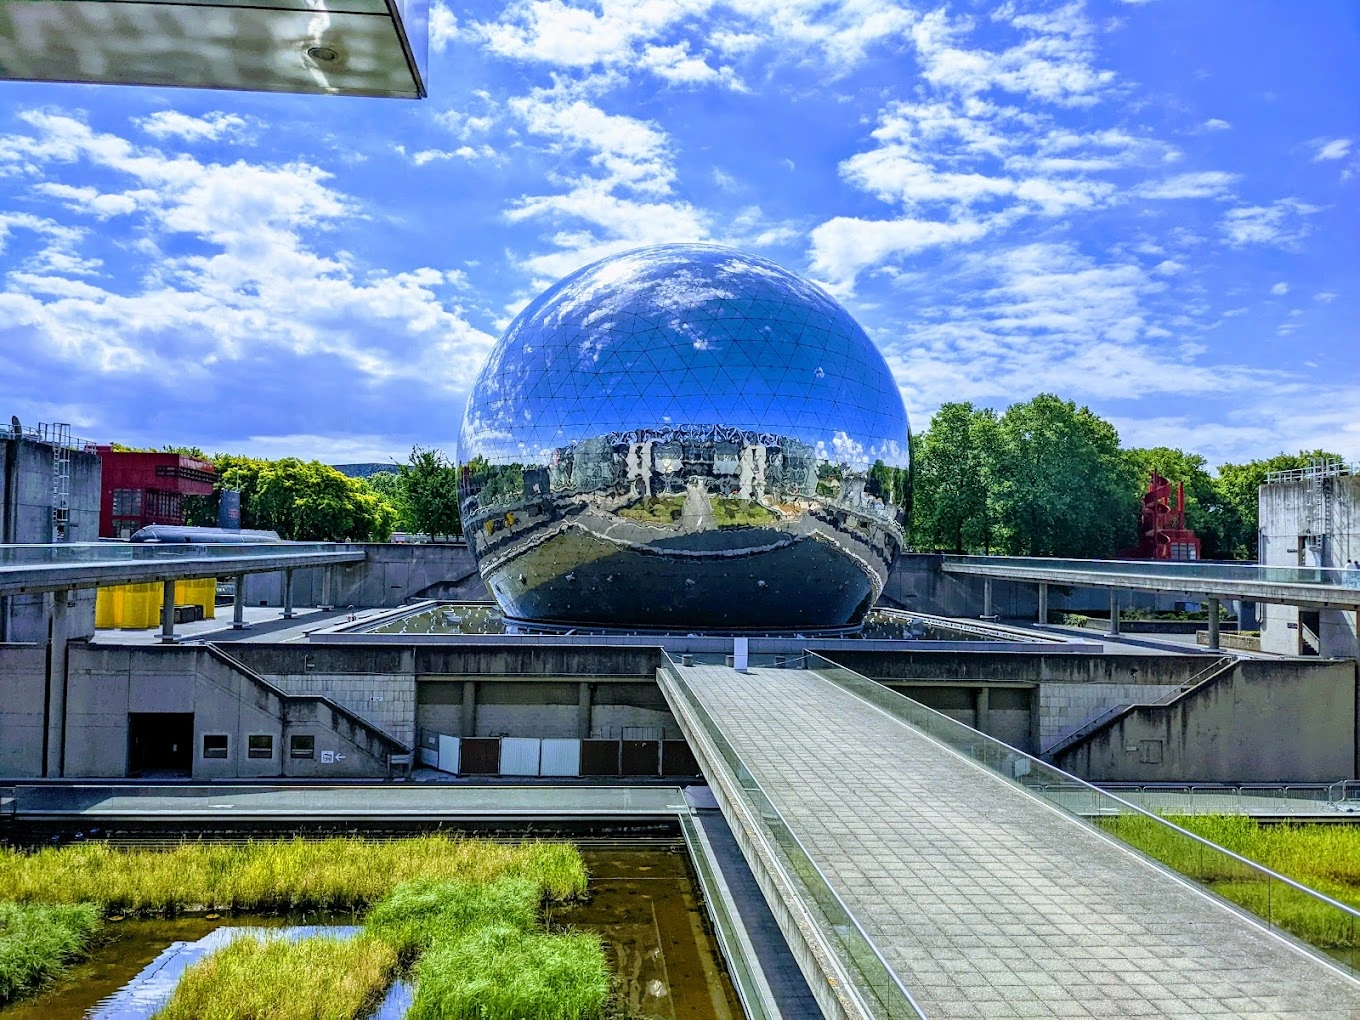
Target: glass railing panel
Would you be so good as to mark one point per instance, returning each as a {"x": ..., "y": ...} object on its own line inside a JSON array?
[
  {"x": 1204, "y": 569},
  {"x": 873, "y": 979}
]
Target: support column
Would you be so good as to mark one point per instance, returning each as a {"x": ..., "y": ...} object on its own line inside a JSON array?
[
  {"x": 168, "y": 613},
  {"x": 585, "y": 698},
  {"x": 54, "y": 764},
  {"x": 1043, "y": 603},
  {"x": 981, "y": 697},
  {"x": 1114, "y": 613},
  {"x": 987, "y": 613},
  {"x": 1214, "y": 641},
  {"x": 327, "y": 598},
  {"x": 288, "y": 595},
  {"x": 238, "y": 604},
  {"x": 468, "y": 727}
]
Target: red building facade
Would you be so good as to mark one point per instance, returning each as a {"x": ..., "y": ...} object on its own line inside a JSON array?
[{"x": 148, "y": 488}]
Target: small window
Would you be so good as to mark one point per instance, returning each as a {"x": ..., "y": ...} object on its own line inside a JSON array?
[
  {"x": 260, "y": 745},
  {"x": 214, "y": 745},
  {"x": 302, "y": 745}
]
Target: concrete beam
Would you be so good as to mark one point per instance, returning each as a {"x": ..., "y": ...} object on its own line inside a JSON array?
[
  {"x": 238, "y": 604},
  {"x": 168, "y": 613},
  {"x": 54, "y": 743}
]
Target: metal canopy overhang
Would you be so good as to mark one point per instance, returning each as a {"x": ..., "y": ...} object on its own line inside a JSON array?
[
  {"x": 1307, "y": 595},
  {"x": 326, "y": 47},
  {"x": 27, "y": 579}
]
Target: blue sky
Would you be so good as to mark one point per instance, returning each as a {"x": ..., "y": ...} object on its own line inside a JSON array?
[{"x": 1147, "y": 207}]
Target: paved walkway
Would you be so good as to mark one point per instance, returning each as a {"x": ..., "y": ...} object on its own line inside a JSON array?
[{"x": 987, "y": 902}]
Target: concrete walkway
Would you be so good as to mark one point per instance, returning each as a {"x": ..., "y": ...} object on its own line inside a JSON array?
[{"x": 986, "y": 901}]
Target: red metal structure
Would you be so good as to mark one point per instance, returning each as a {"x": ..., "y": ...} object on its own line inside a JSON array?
[
  {"x": 1162, "y": 534},
  {"x": 148, "y": 488}
]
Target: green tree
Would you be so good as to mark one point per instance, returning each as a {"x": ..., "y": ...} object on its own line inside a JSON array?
[
  {"x": 951, "y": 503},
  {"x": 1207, "y": 513},
  {"x": 430, "y": 484},
  {"x": 306, "y": 501},
  {"x": 388, "y": 485},
  {"x": 1239, "y": 484},
  {"x": 1060, "y": 484}
]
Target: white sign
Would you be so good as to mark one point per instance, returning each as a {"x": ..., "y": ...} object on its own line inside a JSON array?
[{"x": 327, "y": 757}]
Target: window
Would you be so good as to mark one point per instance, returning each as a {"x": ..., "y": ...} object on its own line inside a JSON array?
[
  {"x": 302, "y": 745},
  {"x": 127, "y": 502},
  {"x": 214, "y": 745},
  {"x": 260, "y": 745}
]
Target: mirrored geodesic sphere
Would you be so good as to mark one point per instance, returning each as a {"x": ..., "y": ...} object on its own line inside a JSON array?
[{"x": 685, "y": 437}]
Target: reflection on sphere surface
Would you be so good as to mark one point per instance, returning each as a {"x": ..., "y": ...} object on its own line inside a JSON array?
[{"x": 685, "y": 437}]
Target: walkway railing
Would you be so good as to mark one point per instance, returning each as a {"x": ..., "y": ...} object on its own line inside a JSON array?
[
  {"x": 1331, "y": 928},
  {"x": 875, "y": 983},
  {"x": 1241, "y": 798}
]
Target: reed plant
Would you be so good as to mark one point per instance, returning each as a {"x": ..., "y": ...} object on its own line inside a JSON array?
[
  {"x": 318, "y": 978},
  {"x": 36, "y": 941},
  {"x": 1325, "y": 858},
  {"x": 331, "y": 874},
  {"x": 502, "y": 973},
  {"x": 421, "y": 914}
]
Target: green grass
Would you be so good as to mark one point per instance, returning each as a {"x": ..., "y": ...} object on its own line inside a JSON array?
[
  {"x": 655, "y": 510},
  {"x": 1322, "y": 857},
  {"x": 37, "y": 941},
  {"x": 501, "y": 973},
  {"x": 418, "y": 915},
  {"x": 281, "y": 979},
  {"x": 289, "y": 874}
]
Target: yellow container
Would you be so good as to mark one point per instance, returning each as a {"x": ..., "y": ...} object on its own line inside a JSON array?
[{"x": 138, "y": 606}]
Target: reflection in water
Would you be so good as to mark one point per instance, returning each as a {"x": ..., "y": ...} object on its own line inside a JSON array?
[{"x": 642, "y": 902}]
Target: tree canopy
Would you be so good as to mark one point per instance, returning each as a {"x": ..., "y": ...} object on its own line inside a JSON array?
[{"x": 1049, "y": 478}]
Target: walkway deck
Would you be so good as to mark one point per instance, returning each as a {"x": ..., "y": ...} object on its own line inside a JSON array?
[{"x": 986, "y": 901}]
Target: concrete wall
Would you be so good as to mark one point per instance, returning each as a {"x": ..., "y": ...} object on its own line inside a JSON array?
[
  {"x": 106, "y": 683},
  {"x": 1065, "y": 691},
  {"x": 1290, "y": 537},
  {"x": 1263, "y": 721},
  {"x": 26, "y": 518},
  {"x": 23, "y": 685},
  {"x": 392, "y": 574}
]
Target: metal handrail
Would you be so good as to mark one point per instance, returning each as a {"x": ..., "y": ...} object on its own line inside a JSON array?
[
  {"x": 767, "y": 811},
  {"x": 1042, "y": 766}
]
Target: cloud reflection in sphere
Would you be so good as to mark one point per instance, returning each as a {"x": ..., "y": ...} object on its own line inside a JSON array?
[{"x": 685, "y": 437}]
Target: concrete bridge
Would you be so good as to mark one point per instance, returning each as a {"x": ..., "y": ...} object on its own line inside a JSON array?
[
  {"x": 916, "y": 870},
  {"x": 1305, "y": 587}
]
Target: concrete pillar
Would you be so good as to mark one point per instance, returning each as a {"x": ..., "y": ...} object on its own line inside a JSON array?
[
  {"x": 1043, "y": 603},
  {"x": 168, "y": 612},
  {"x": 468, "y": 726},
  {"x": 288, "y": 595},
  {"x": 1214, "y": 641},
  {"x": 327, "y": 595},
  {"x": 1114, "y": 613},
  {"x": 585, "y": 698},
  {"x": 987, "y": 599},
  {"x": 54, "y": 742},
  {"x": 980, "y": 706},
  {"x": 238, "y": 604}
]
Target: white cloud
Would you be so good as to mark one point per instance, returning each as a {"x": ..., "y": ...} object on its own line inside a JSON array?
[
  {"x": 1330, "y": 148},
  {"x": 1215, "y": 124},
  {"x": 229, "y": 274},
  {"x": 210, "y": 127},
  {"x": 845, "y": 246},
  {"x": 1325, "y": 297},
  {"x": 1280, "y": 289},
  {"x": 1282, "y": 223},
  {"x": 443, "y": 26},
  {"x": 1204, "y": 184}
]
